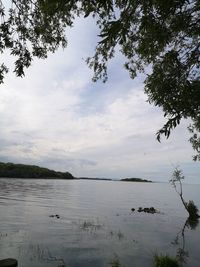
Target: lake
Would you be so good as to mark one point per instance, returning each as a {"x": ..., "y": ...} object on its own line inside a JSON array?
[{"x": 95, "y": 225}]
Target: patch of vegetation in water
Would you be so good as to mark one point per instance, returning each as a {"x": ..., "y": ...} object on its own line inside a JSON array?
[
  {"x": 91, "y": 225},
  {"x": 115, "y": 262},
  {"x": 192, "y": 210},
  {"x": 165, "y": 261},
  {"x": 119, "y": 235}
]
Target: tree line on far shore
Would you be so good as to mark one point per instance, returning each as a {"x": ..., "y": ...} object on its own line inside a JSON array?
[{"x": 12, "y": 170}]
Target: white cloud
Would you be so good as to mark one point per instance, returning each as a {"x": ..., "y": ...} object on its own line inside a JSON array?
[{"x": 56, "y": 117}]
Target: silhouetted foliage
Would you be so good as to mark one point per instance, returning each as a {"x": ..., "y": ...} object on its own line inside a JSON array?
[
  {"x": 195, "y": 138},
  {"x": 160, "y": 34},
  {"x": 30, "y": 171},
  {"x": 191, "y": 208}
]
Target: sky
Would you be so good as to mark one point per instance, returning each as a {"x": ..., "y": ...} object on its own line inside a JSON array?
[{"x": 58, "y": 118}]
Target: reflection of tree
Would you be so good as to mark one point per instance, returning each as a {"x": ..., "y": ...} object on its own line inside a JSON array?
[{"x": 182, "y": 254}]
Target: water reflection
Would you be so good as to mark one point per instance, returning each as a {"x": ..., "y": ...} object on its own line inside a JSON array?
[{"x": 182, "y": 253}]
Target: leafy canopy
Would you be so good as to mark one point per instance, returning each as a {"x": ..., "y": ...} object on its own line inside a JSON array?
[{"x": 161, "y": 34}]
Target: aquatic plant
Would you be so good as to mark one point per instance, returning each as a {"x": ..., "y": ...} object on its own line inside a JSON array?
[
  {"x": 120, "y": 235},
  {"x": 91, "y": 225},
  {"x": 116, "y": 234},
  {"x": 192, "y": 224},
  {"x": 165, "y": 261},
  {"x": 115, "y": 262},
  {"x": 191, "y": 208}
]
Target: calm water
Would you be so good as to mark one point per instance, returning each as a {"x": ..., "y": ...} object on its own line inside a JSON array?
[{"x": 96, "y": 224}]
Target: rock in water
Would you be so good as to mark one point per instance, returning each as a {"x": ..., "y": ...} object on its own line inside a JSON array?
[
  {"x": 140, "y": 209},
  {"x": 8, "y": 263}
]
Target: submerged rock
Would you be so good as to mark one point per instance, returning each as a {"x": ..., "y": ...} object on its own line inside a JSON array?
[{"x": 8, "y": 263}]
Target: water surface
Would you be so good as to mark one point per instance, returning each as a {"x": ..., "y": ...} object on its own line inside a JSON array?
[{"x": 95, "y": 224}]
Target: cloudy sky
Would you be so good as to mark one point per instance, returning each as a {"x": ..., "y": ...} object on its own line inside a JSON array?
[{"x": 58, "y": 118}]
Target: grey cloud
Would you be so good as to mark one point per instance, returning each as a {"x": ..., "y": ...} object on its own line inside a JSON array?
[
  {"x": 4, "y": 143},
  {"x": 25, "y": 145},
  {"x": 134, "y": 137},
  {"x": 68, "y": 162}
]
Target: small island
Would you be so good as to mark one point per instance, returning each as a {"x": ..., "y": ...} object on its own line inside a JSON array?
[
  {"x": 11, "y": 170},
  {"x": 136, "y": 180}
]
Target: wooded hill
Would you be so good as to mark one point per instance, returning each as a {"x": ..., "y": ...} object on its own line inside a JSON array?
[{"x": 12, "y": 170}]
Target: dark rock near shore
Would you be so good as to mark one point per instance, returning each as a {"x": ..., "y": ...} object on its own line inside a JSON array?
[
  {"x": 140, "y": 209},
  {"x": 8, "y": 263},
  {"x": 151, "y": 210}
]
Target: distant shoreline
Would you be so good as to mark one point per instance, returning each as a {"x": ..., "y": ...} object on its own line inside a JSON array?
[
  {"x": 77, "y": 178},
  {"x": 22, "y": 171}
]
